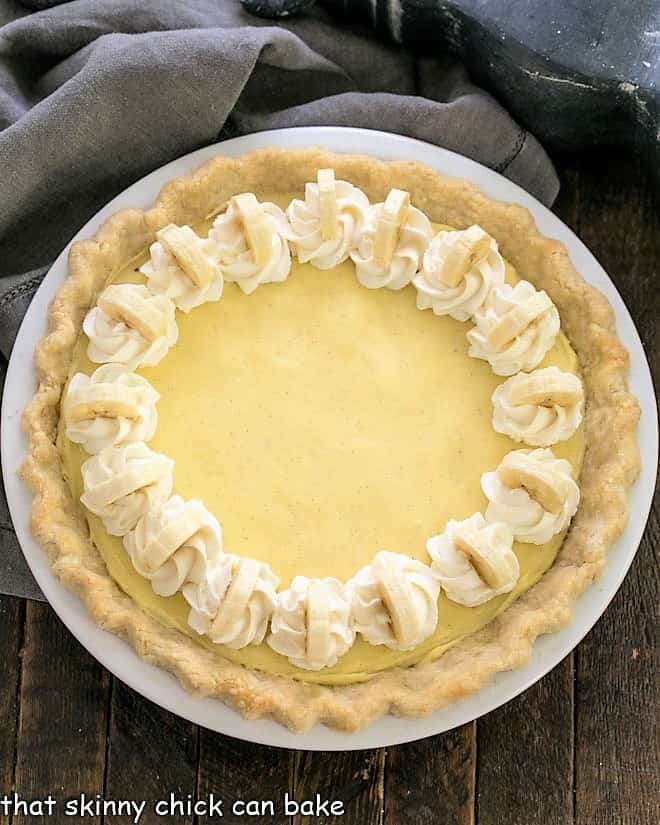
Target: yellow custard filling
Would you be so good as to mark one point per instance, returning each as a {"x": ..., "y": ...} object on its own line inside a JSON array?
[{"x": 321, "y": 422}]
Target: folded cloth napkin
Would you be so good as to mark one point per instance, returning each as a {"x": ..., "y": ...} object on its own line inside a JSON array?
[{"x": 93, "y": 95}]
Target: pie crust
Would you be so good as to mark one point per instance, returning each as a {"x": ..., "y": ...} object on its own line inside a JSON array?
[{"x": 611, "y": 461}]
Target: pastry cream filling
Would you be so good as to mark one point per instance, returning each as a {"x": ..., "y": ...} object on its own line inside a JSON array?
[{"x": 321, "y": 422}]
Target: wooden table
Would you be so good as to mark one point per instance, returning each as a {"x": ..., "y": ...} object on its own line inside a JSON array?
[{"x": 578, "y": 747}]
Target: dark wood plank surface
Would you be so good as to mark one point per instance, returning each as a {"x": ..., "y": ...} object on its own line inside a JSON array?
[
  {"x": 236, "y": 770},
  {"x": 525, "y": 755},
  {"x": 355, "y": 779},
  {"x": 150, "y": 754},
  {"x": 12, "y": 616},
  {"x": 580, "y": 747},
  {"x": 61, "y": 741},
  {"x": 433, "y": 780}
]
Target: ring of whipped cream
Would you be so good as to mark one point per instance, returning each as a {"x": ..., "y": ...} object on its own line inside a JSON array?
[{"x": 177, "y": 544}]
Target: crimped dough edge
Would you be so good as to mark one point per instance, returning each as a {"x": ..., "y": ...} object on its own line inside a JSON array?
[{"x": 611, "y": 462}]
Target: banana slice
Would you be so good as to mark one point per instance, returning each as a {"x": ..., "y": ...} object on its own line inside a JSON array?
[
  {"x": 517, "y": 319},
  {"x": 173, "y": 536},
  {"x": 245, "y": 575},
  {"x": 258, "y": 230},
  {"x": 328, "y": 211},
  {"x": 128, "y": 481},
  {"x": 102, "y": 401},
  {"x": 318, "y": 621},
  {"x": 122, "y": 303},
  {"x": 486, "y": 561},
  {"x": 397, "y": 595},
  {"x": 562, "y": 389},
  {"x": 391, "y": 218},
  {"x": 188, "y": 250},
  {"x": 468, "y": 247},
  {"x": 544, "y": 486}
]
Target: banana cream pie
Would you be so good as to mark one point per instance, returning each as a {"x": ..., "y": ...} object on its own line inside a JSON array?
[{"x": 328, "y": 437}]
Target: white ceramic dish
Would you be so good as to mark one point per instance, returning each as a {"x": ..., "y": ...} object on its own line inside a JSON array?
[{"x": 160, "y": 686}]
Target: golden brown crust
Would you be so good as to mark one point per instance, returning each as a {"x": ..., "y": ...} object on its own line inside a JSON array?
[{"x": 611, "y": 462}]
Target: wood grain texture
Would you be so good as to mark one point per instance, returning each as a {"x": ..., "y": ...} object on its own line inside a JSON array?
[
  {"x": 617, "y": 707},
  {"x": 525, "y": 763},
  {"x": 150, "y": 754},
  {"x": 615, "y": 209},
  {"x": 60, "y": 747},
  {"x": 433, "y": 781},
  {"x": 12, "y": 617},
  {"x": 354, "y": 778},
  {"x": 235, "y": 770}
]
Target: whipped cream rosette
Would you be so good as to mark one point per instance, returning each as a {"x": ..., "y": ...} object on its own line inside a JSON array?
[
  {"x": 474, "y": 560},
  {"x": 514, "y": 329},
  {"x": 539, "y": 408},
  {"x": 233, "y": 602},
  {"x": 311, "y": 624},
  {"x": 325, "y": 227},
  {"x": 533, "y": 493},
  {"x": 110, "y": 408},
  {"x": 176, "y": 544},
  {"x": 131, "y": 326},
  {"x": 249, "y": 242},
  {"x": 393, "y": 243},
  {"x": 172, "y": 544},
  {"x": 181, "y": 266},
  {"x": 394, "y": 601},
  {"x": 122, "y": 483},
  {"x": 459, "y": 270}
]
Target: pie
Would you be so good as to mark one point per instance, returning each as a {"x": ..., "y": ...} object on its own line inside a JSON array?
[{"x": 327, "y": 436}]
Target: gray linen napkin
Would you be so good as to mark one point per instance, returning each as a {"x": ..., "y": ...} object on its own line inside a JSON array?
[{"x": 93, "y": 95}]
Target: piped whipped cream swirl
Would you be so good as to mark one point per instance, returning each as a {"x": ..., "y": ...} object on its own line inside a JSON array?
[
  {"x": 533, "y": 493},
  {"x": 166, "y": 275},
  {"x": 304, "y": 231},
  {"x": 130, "y": 326},
  {"x": 461, "y": 300},
  {"x": 514, "y": 329},
  {"x": 122, "y": 483},
  {"x": 110, "y": 408},
  {"x": 233, "y": 602},
  {"x": 474, "y": 560},
  {"x": 173, "y": 543},
  {"x": 413, "y": 238},
  {"x": 539, "y": 408},
  {"x": 247, "y": 263},
  {"x": 394, "y": 601},
  {"x": 311, "y": 623}
]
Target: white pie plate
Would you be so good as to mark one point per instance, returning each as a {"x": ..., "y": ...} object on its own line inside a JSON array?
[{"x": 163, "y": 688}]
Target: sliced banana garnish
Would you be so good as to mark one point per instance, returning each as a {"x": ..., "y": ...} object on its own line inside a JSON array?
[
  {"x": 548, "y": 488},
  {"x": 393, "y": 601},
  {"x": 562, "y": 389},
  {"x": 397, "y": 594},
  {"x": 258, "y": 229},
  {"x": 392, "y": 216},
  {"x": 187, "y": 248},
  {"x": 468, "y": 247},
  {"x": 174, "y": 535},
  {"x": 125, "y": 303},
  {"x": 245, "y": 575},
  {"x": 486, "y": 559},
  {"x": 517, "y": 319},
  {"x": 318, "y": 620},
  {"x": 328, "y": 210},
  {"x": 102, "y": 400},
  {"x": 129, "y": 480}
]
